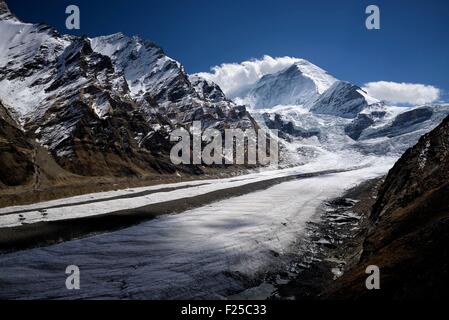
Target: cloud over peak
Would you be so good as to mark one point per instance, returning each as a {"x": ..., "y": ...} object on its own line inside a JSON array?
[
  {"x": 232, "y": 77},
  {"x": 407, "y": 93}
]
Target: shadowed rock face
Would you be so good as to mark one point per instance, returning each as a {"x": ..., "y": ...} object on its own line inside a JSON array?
[
  {"x": 404, "y": 123},
  {"x": 16, "y": 153},
  {"x": 342, "y": 99},
  {"x": 409, "y": 236},
  {"x": 412, "y": 117},
  {"x": 287, "y": 128},
  {"x": 355, "y": 128}
]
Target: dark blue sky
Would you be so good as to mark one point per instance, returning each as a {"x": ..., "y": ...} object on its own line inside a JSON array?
[{"x": 412, "y": 46}]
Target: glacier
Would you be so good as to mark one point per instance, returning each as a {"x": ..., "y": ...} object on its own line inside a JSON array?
[{"x": 205, "y": 253}]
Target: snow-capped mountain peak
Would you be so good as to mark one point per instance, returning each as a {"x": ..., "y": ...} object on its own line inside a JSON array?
[
  {"x": 322, "y": 79},
  {"x": 300, "y": 84},
  {"x": 308, "y": 86}
]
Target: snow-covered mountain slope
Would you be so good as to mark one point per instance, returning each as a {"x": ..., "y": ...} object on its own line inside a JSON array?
[
  {"x": 148, "y": 71},
  {"x": 106, "y": 105},
  {"x": 378, "y": 130},
  {"x": 27, "y": 54},
  {"x": 161, "y": 86},
  {"x": 300, "y": 84},
  {"x": 394, "y": 135}
]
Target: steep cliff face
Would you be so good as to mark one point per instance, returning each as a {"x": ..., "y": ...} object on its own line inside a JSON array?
[{"x": 410, "y": 227}]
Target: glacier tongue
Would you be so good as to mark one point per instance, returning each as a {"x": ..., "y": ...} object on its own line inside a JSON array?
[{"x": 185, "y": 255}]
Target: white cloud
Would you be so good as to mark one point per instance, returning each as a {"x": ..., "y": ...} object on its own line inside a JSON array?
[
  {"x": 233, "y": 77},
  {"x": 394, "y": 92}
]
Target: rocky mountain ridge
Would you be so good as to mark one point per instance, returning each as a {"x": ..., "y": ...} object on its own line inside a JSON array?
[{"x": 102, "y": 106}]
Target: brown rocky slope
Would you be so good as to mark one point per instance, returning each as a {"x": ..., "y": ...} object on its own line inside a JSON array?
[
  {"x": 409, "y": 236},
  {"x": 16, "y": 153}
]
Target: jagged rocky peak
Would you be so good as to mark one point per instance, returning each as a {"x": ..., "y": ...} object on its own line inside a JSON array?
[
  {"x": 206, "y": 89},
  {"x": 160, "y": 84},
  {"x": 343, "y": 99},
  {"x": 148, "y": 71},
  {"x": 5, "y": 13}
]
